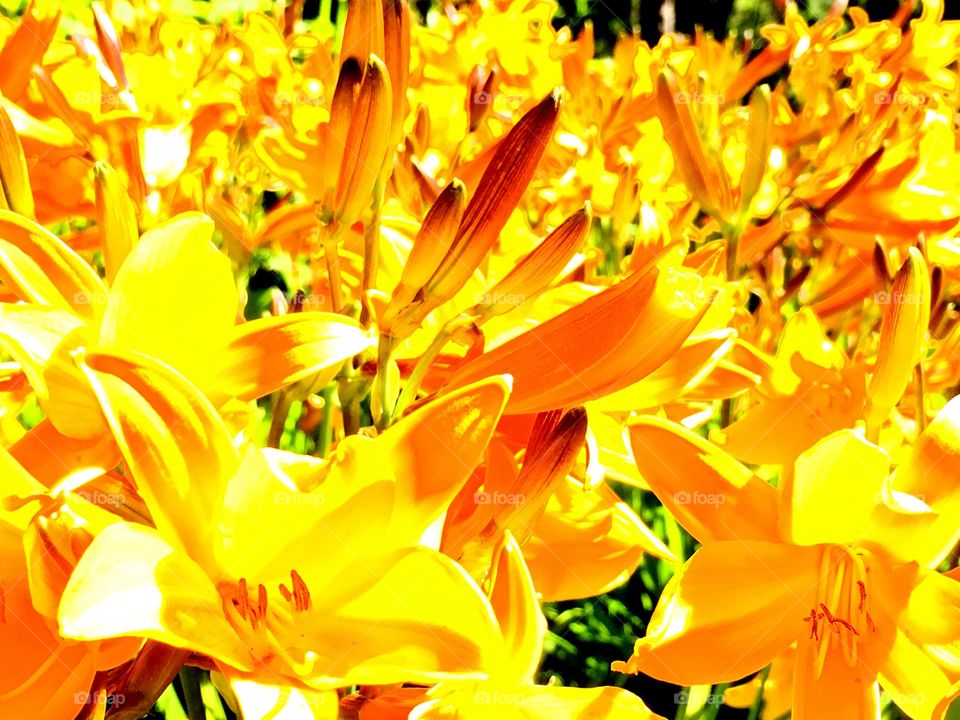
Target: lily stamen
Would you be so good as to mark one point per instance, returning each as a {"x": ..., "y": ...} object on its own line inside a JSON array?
[{"x": 301, "y": 593}]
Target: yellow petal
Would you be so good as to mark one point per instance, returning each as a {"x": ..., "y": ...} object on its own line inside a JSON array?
[
  {"x": 743, "y": 600},
  {"x": 174, "y": 298},
  {"x": 39, "y": 672},
  {"x": 116, "y": 218},
  {"x": 903, "y": 334},
  {"x": 15, "y": 192},
  {"x": 832, "y": 491},
  {"x": 588, "y": 542},
  {"x": 684, "y": 370},
  {"x": 413, "y": 615},
  {"x": 633, "y": 327},
  {"x": 32, "y": 451},
  {"x": 174, "y": 443},
  {"x": 928, "y": 473},
  {"x": 267, "y": 354},
  {"x": 917, "y": 651},
  {"x": 493, "y": 702},
  {"x": 253, "y": 700},
  {"x": 840, "y": 691},
  {"x": 130, "y": 582},
  {"x": 514, "y": 600},
  {"x": 428, "y": 454},
  {"x": 76, "y": 282},
  {"x": 712, "y": 495}
]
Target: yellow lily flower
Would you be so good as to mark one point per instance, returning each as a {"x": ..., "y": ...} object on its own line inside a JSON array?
[
  {"x": 510, "y": 692},
  {"x": 44, "y": 675},
  {"x": 155, "y": 306},
  {"x": 250, "y": 589},
  {"x": 838, "y": 560}
]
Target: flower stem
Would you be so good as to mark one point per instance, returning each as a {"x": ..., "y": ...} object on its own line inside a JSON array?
[
  {"x": 919, "y": 384},
  {"x": 281, "y": 409},
  {"x": 758, "y": 700},
  {"x": 371, "y": 250},
  {"x": 326, "y": 421},
  {"x": 714, "y": 701},
  {"x": 190, "y": 682},
  {"x": 388, "y": 406},
  {"x": 412, "y": 386}
]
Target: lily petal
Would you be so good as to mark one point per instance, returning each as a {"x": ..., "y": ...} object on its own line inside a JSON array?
[
  {"x": 712, "y": 495},
  {"x": 743, "y": 600},
  {"x": 174, "y": 299},
  {"x": 131, "y": 582}
]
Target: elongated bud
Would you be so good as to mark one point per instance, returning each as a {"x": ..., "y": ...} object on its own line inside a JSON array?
[
  {"x": 856, "y": 181},
  {"x": 341, "y": 114},
  {"x": 498, "y": 192},
  {"x": 539, "y": 267},
  {"x": 116, "y": 217},
  {"x": 481, "y": 87},
  {"x": 936, "y": 285},
  {"x": 396, "y": 56},
  {"x": 27, "y": 46},
  {"x": 759, "y": 131},
  {"x": 421, "y": 130},
  {"x": 554, "y": 444},
  {"x": 681, "y": 133},
  {"x": 626, "y": 197},
  {"x": 436, "y": 232},
  {"x": 429, "y": 247},
  {"x": 109, "y": 44},
  {"x": 552, "y": 449},
  {"x": 363, "y": 31},
  {"x": 54, "y": 99},
  {"x": 881, "y": 263},
  {"x": 903, "y": 332},
  {"x": 15, "y": 192},
  {"x": 366, "y": 143}
]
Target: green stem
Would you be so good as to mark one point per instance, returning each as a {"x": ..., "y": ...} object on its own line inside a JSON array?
[
  {"x": 190, "y": 682},
  {"x": 351, "y": 417},
  {"x": 733, "y": 242},
  {"x": 716, "y": 700},
  {"x": 329, "y": 234},
  {"x": 371, "y": 250},
  {"x": 412, "y": 386},
  {"x": 919, "y": 384},
  {"x": 681, "y": 713},
  {"x": 281, "y": 409},
  {"x": 326, "y": 422},
  {"x": 758, "y": 700},
  {"x": 388, "y": 406}
]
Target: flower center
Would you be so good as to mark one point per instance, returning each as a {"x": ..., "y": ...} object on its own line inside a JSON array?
[
  {"x": 841, "y": 618},
  {"x": 265, "y": 626}
]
